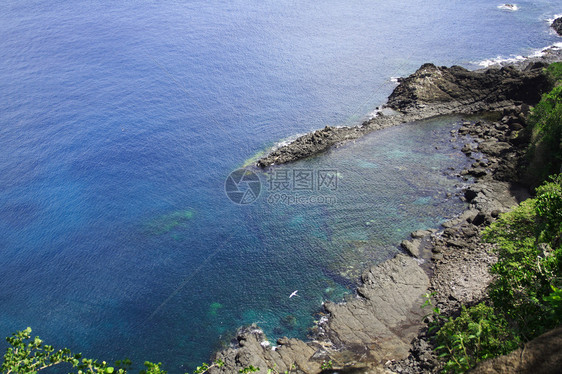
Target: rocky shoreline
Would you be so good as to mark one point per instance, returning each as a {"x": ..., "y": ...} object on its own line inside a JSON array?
[
  {"x": 373, "y": 332},
  {"x": 382, "y": 329},
  {"x": 432, "y": 91}
]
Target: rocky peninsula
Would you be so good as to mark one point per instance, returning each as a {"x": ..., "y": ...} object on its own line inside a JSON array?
[
  {"x": 429, "y": 92},
  {"x": 381, "y": 330}
]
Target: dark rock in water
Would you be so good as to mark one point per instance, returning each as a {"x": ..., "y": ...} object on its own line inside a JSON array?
[
  {"x": 557, "y": 25},
  {"x": 289, "y": 321},
  {"x": 467, "y": 149},
  {"x": 478, "y": 172},
  {"x": 470, "y": 194},
  {"x": 310, "y": 144}
]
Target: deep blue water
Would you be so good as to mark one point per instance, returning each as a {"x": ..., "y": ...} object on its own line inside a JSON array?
[{"x": 119, "y": 123}]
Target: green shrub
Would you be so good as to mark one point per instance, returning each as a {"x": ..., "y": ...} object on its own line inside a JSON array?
[
  {"x": 27, "y": 355},
  {"x": 526, "y": 294},
  {"x": 554, "y": 72},
  {"x": 545, "y": 152},
  {"x": 529, "y": 260},
  {"x": 477, "y": 334},
  {"x": 549, "y": 210}
]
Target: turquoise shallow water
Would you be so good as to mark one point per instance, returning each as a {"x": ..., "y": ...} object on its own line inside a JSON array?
[{"x": 119, "y": 123}]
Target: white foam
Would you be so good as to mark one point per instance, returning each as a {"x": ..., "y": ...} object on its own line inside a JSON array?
[
  {"x": 550, "y": 20},
  {"x": 500, "y": 60},
  {"x": 287, "y": 141},
  {"x": 510, "y": 7},
  {"x": 375, "y": 113},
  {"x": 394, "y": 79},
  {"x": 381, "y": 111}
]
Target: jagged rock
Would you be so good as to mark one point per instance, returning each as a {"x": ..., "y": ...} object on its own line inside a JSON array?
[
  {"x": 469, "y": 232},
  {"x": 455, "y": 243},
  {"x": 418, "y": 234},
  {"x": 457, "y": 87},
  {"x": 477, "y": 172},
  {"x": 449, "y": 232},
  {"x": 494, "y": 148},
  {"x": 467, "y": 149},
  {"x": 412, "y": 247},
  {"x": 251, "y": 351}
]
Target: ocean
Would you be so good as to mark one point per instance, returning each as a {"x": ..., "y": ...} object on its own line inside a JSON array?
[{"x": 120, "y": 122}]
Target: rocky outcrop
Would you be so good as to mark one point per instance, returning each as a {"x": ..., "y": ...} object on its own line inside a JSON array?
[
  {"x": 254, "y": 350},
  {"x": 459, "y": 259},
  {"x": 380, "y": 324},
  {"x": 557, "y": 25},
  {"x": 542, "y": 355},
  {"x": 457, "y": 89},
  {"x": 372, "y": 333},
  {"x": 311, "y": 144},
  {"x": 429, "y": 92},
  {"x": 376, "y": 326}
]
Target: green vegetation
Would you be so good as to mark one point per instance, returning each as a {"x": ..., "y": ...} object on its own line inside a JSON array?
[
  {"x": 526, "y": 295},
  {"x": 545, "y": 152},
  {"x": 554, "y": 72},
  {"x": 477, "y": 334},
  {"x": 27, "y": 355}
]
